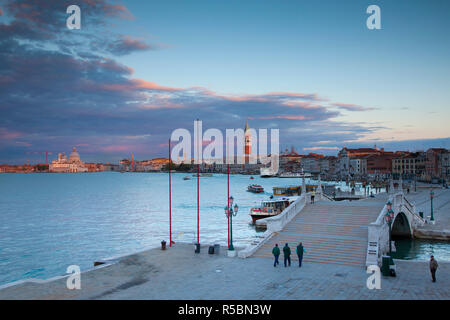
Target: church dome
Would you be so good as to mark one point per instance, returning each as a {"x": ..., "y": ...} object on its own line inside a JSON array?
[{"x": 74, "y": 156}]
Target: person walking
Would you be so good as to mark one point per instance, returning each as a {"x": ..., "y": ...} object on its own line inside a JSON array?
[
  {"x": 300, "y": 251},
  {"x": 287, "y": 255},
  {"x": 313, "y": 194},
  {"x": 276, "y": 254},
  {"x": 433, "y": 268}
]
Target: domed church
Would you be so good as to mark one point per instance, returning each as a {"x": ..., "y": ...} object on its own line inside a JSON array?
[{"x": 73, "y": 164}]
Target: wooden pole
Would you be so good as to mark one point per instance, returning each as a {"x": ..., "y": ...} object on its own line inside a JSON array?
[
  {"x": 198, "y": 203},
  {"x": 228, "y": 201},
  {"x": 170, "y": 199}
]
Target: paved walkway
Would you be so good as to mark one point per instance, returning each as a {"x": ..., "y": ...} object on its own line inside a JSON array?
[
  {"x": 331, "y": 232},
  {"x": 441, "y": 206},
  {"x": 178, "y": 273}
]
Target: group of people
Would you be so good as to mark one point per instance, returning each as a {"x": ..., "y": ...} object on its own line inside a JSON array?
[
  {"x": 301, "y": 250},
  {"x": 287, "y": 254}
]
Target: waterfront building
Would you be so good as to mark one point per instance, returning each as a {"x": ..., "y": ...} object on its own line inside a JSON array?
[
  {"x": 73, "y": 164},
  {"x": 328, "y": 165},
  {"x": 290, "y": 161},
  {"x": 432, "y": 164},
  {"x": 311, "y": 162},
  {"x": 444, "y": 165},
  {"x": 358, "y": 166},
  {"x": 409, "y": 165}
]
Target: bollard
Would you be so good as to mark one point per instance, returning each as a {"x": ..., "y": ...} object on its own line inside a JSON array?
[
  {"x": 197, "y": 248},
  {"x": 163, "y": 245}
]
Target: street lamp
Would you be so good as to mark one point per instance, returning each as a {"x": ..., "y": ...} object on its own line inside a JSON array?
[
  {"x": 389, "y": 217},
  {"x": 431, "y": 200},
  {"x": 231, "y": 212}
]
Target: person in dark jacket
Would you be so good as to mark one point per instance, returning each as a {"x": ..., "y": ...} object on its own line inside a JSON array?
[
  {"x": 300, "y": 251},
  {"x": 287, "y": 255},
  {"x": 276, "y": 254},
  {"x": 433, "y": 268}
]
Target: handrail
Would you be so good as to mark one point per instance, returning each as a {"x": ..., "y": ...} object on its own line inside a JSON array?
[{"x": 276, "y": 223}]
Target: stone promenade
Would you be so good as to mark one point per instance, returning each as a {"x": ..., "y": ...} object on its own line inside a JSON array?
[{"x": 179, "y": 273}]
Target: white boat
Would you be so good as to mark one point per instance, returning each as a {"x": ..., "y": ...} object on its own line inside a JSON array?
[
  {"x": 267, "y": 172},
  {"x": 294, "y": 175}
]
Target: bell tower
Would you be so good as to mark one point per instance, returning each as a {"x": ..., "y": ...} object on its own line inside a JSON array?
[{"x": 248, "y": 141}]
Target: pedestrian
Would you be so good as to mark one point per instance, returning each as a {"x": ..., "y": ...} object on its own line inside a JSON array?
[
  {"x": 287, "y": 255},
  {"x": 433, "y": 268},
  {"x": 276, "y": 254},
  {"x": 313, "y": 194},
  {"x": 300, "y": 251}
]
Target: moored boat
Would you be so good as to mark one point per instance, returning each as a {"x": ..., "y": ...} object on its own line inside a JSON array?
[{"x": 270, "y": 208}]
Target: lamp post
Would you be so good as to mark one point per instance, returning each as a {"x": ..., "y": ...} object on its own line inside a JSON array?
[
  {"x": 231, "y": 212},
  {"x": 389, "y": 217},
  {"x": 431, "y": 200}
]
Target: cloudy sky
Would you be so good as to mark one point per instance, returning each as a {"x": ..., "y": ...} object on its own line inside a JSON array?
[{"x": 137, "y": 70}]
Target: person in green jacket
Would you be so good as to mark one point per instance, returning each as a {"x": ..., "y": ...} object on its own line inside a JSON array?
[
  {"x": 276, "y": 254},
  {"x": 287, "y": 255},
  {"x": 300, "y": 251}
]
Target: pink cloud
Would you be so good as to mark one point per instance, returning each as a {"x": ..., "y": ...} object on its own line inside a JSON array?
[
  {"x": 117, "y": 148},
  {"x": 287, "y": 117},
  {"x": 9, "y": 135}
]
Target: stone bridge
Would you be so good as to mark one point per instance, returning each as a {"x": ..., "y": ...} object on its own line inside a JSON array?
[
  {"x": 341, "y": 232},
  {"x": 405, "y": 222}
]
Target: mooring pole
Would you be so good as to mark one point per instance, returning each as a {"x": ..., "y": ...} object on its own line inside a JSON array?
[
  {"x": 228, "y": 201},
  {"x": 198, "y": 203},
  {"x": 170, "y": 199}
]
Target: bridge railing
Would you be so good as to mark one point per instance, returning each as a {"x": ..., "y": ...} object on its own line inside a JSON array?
[
  {"x": 378, "y": 232},
  {"x": 276, "y": 224}
]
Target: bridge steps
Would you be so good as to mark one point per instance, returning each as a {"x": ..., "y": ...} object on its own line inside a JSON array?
[{"x": 330, "y": 233}]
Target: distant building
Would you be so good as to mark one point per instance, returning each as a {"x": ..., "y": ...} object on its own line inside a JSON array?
[
  {"x": 73, "y": 164},
  {"x": 290, "y": 160},
  {"x": 444, "y": 164},
  {"x": 328, "y": 165},
  {"x": 432, "y": 164},
  {"x": 311, "y": 162},
  {"x": 409, "y": 165},
  {"x": 358, "y": 166}
]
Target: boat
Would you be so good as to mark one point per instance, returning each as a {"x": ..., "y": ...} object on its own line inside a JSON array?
[
  {"x": 288, "y": 191},
  {"x": 270, "y": 208},
  {"x": 267, "y": 172},
  {"x": 203, "y": 175},
  {"x": 255, "y": 188},
  {"x": 291, "y": 191},
  {"x": 295, "y": 175},
  {"x": 187, "y": 178},
  {"x": 251, "y": 178}
]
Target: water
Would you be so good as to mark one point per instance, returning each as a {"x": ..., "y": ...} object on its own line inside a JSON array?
[{"x": 417, "y": 249}]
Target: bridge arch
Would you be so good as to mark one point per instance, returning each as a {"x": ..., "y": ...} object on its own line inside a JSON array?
[{"x": 401, "y": 227}]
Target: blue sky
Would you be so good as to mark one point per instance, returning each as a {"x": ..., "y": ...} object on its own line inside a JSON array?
[{"x": 144, "y": 68}]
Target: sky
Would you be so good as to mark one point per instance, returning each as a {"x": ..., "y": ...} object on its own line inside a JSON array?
[{"x": 137, "y": 70}]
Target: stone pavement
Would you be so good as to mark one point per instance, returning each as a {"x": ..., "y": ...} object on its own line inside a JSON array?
[
  {"x": 178, "y": 273},
  {"x": 441, "y": 208}
]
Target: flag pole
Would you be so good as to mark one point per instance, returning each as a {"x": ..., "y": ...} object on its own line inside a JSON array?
[
  {"x": 170, "y": 198},
  {"x": 228, "y": 201}
]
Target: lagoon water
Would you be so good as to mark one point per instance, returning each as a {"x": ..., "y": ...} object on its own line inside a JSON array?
[{"x": 51, "y": 221}]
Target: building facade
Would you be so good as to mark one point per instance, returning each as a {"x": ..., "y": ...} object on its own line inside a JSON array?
[{"x": 64, "y": 165}]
